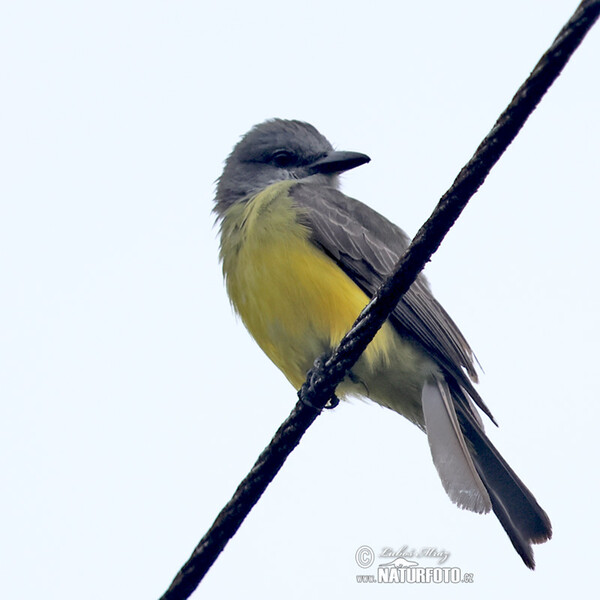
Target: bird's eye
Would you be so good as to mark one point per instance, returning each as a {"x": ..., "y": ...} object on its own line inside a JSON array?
[{"x": 282, "y": 158}]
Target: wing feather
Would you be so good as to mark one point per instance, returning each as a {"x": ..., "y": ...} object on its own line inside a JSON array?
[{"x": 367, "y": 246}]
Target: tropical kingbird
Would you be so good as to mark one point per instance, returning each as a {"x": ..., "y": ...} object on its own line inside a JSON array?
[{"x": 301, "y": 261}]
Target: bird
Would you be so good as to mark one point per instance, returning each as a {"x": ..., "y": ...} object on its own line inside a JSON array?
[{"x": 301, "y": 260}]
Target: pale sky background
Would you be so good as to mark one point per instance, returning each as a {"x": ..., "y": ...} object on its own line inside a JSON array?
[{"x": 133, "y": 402}]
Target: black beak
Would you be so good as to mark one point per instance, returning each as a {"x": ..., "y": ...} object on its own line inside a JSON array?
[{"x": 338, "y": 162}]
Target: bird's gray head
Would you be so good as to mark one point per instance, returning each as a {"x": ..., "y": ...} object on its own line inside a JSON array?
[{"x": 278, "y": 150}]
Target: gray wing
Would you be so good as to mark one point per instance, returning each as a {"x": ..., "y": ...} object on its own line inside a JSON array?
[{"x": 366, "y": 246}]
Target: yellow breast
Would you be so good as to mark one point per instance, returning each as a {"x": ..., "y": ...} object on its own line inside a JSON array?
[{"x": 295, "y": 301}]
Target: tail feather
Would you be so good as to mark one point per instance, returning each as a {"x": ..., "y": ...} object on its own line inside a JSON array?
[
  {"x": 523, "y": 519},
  {"x": 473, "y": 472},
  {"x": 451, "y": 456}
]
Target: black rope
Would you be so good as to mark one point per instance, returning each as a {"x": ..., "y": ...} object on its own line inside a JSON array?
[{"x": 328, "y": 372}]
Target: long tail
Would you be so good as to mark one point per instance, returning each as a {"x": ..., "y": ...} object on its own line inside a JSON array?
[{"x": 473, "y": 472}]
